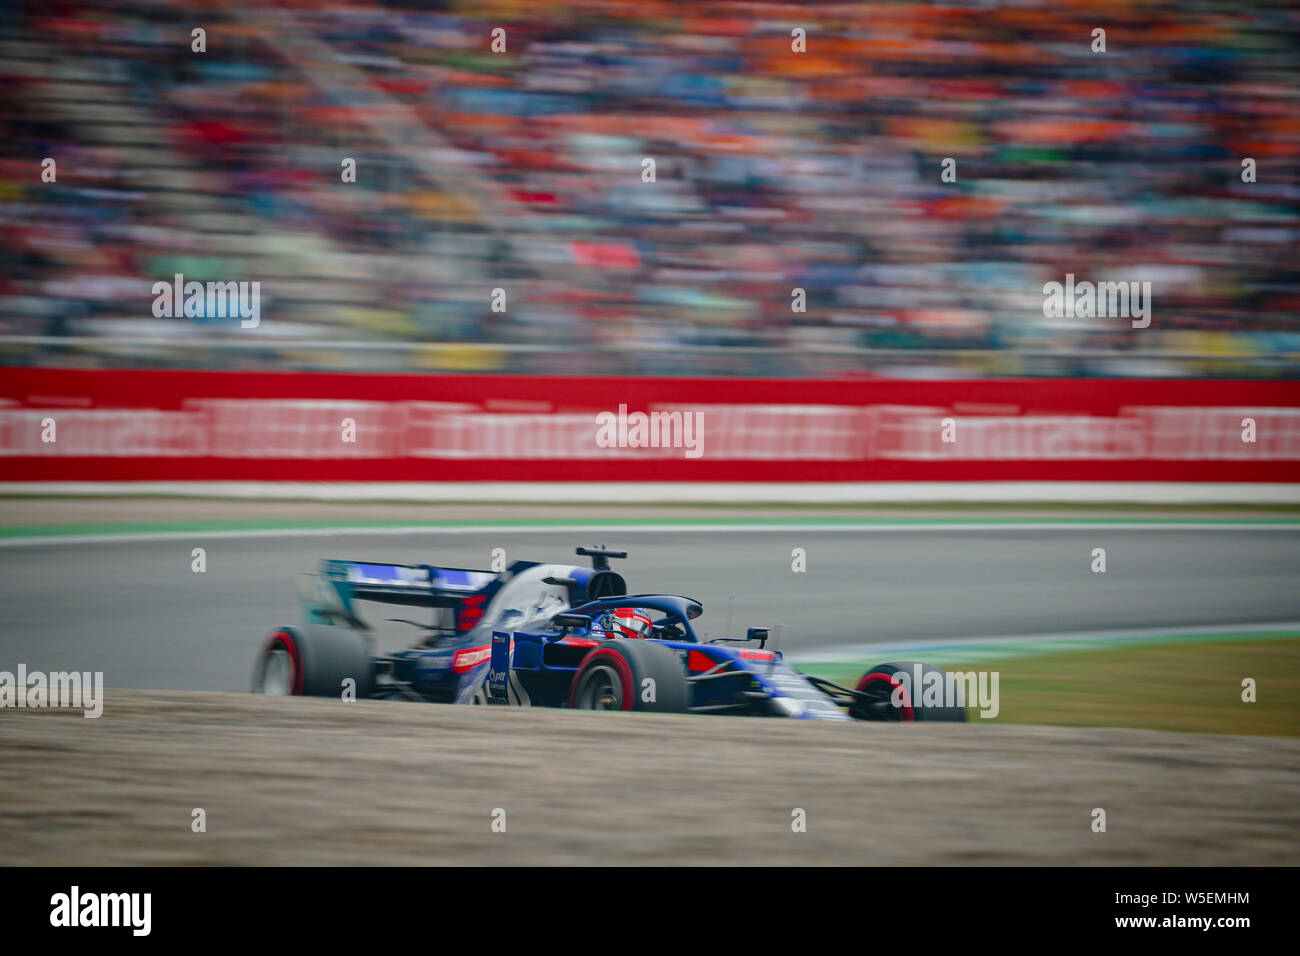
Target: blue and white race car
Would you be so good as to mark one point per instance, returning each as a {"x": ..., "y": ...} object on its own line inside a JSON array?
[{"x": 557, "y": 635}]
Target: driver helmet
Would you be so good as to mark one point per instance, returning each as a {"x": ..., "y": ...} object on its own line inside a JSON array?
[{"x": 629, "y": 622}]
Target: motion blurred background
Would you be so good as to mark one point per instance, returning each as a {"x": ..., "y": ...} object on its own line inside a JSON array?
[
  {"x": 775, "y": 170},
  {"x": 920, "y": 466}
]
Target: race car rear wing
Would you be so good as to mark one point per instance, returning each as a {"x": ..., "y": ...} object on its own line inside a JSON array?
[
  {"x": 330, "y": 595},
  {"x": 420, "y": 585}
]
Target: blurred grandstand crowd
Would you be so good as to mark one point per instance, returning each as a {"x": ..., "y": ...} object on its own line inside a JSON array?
[{"x": 775, "y": 170}]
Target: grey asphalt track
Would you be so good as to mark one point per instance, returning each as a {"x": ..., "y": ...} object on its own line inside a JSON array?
[{"x": 136, "y": 611}]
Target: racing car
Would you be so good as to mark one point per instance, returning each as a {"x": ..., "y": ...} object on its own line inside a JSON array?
[{"x": 562, "y": 636}]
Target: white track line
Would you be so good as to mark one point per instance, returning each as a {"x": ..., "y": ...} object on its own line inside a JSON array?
[
  {"x": 704, "y": 492},
  {"x": 847, "y": 652},
  {"x": 795, "y": 526}
]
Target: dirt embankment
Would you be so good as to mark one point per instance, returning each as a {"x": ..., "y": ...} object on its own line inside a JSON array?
[{"x": 293, "y": 781}]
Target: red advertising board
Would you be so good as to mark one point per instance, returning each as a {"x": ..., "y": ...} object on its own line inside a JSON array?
[{"x": 119, "y": 425}]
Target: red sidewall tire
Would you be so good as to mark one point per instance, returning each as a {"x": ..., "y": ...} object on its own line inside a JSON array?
[
  {"x": 285, "y": 639},
  {"x": 912, "y": 709},
  {"x": 905, "y": 712},
  {"x": 603, "y": 655}
]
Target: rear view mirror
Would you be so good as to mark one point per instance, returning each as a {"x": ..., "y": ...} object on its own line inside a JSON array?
[
  {"x": 567, "y": 621},
  {"x": 759, "y": 634}
]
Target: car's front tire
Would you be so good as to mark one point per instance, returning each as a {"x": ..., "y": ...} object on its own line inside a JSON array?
[
  {"x": 629, "y": 674},
  {"x": 891, "y": 692}
]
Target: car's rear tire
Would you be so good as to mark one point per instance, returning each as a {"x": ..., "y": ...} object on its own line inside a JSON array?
[
  {"x": 628, "y": 674},
  {"x": 313, "y": 662},
  {"x": 895, "y": 698}
]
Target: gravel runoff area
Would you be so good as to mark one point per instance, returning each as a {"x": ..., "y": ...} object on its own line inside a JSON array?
[{"x": 308, "y": 781}]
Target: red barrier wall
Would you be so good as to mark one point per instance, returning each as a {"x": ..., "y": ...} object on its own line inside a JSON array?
[{"x": 179, "y": 425}]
